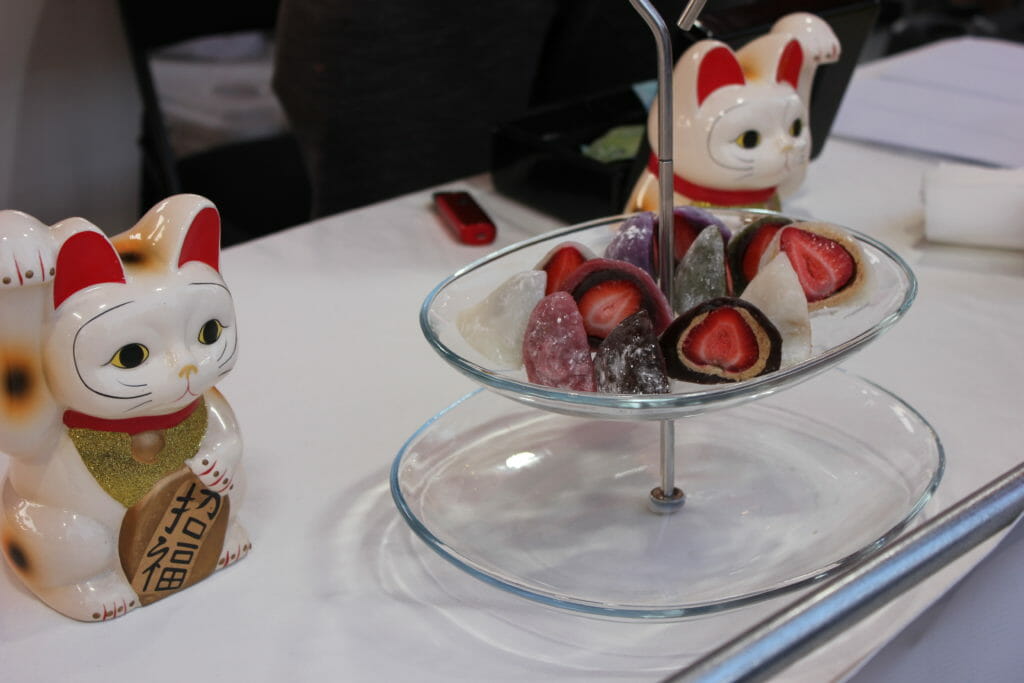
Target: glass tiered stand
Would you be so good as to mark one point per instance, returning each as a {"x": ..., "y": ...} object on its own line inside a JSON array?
[
  {"x": 545, "y": 492},
  {"x": 571, "y": 499}
]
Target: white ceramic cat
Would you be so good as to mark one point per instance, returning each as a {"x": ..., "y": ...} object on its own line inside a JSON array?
[
  {"x": 123, "y": 476},
  {"x": 741, "y": 134}
]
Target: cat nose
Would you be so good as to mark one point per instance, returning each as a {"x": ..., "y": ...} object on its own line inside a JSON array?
[{"x": 188, "y": 371}]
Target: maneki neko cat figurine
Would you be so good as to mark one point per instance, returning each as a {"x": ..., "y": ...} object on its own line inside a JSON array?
[
  {"x": 123, "y": 476},
  {"x": 740, "y": 134}
]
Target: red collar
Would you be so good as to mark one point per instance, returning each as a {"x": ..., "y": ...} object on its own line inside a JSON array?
[
  {"x": 711, "y": 195},
  {"x": 131, "y": 425}
]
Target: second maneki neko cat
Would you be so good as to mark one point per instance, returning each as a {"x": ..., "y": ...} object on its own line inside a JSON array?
[
  {"x": 123, "y": 473},
  {"x": 741, "y": 136}
]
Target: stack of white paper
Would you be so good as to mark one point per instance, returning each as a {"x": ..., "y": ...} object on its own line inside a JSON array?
[{"x": 960, "y": 98}]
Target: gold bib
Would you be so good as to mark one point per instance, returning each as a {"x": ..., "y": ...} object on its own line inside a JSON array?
[{"x": 128, "y": 467}]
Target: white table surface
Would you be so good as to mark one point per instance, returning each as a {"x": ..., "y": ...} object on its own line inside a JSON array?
[{"x": 335, "y": 375}]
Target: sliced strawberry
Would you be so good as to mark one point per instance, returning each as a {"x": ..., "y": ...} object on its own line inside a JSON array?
[
  {"x": 823, "y": 266},
  {"x": 685, "y": 234},
  {"x": 723, "y": 339},
  {"x": 687, "y": 224},
  {"x": 755, "y": 248},
  {"x": 560, "y": 265},
  {"x": 608, "y": 303},
  {"x": 744, "y": 252},
  {"x": 682, "y": 237}
]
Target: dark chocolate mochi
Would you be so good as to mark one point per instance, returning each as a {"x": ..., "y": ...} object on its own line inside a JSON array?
[
  {"x": 629, "y": 360},
  {"x": 721, "y": 340}
]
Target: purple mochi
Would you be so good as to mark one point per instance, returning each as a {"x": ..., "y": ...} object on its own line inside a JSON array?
[
  {"x": 689, "y": 221},
  {"x": 698, "y": 219},
  {"x": 634, "y": 242}
]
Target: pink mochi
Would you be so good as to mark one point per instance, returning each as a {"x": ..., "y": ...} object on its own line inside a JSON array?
[{"x": 556, "y": 351}]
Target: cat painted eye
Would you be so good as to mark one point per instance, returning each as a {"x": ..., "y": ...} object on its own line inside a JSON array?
[
  {"x": 796, "y": 128},
  {"x": 210, "y": 331},
  {"x": 130, "y": 356},
  {"x": 748, "y": 139}
]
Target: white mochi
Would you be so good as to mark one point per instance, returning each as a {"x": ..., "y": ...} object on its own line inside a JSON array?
[
  {"x": 776, "y": 291},
  {"x": 495, "y": 326}
]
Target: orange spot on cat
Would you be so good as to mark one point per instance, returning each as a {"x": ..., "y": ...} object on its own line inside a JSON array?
[
  {"x": 22, "y": 382},
  {"x": 752, "y": 73},
  {"x": 133, "y": 259},
  {"x": 17, "y": 556},
  {"x": 136, "y": 255}
]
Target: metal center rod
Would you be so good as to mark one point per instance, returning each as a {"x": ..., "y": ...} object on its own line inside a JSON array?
[
  {"x": 663, "y": 42},
  {"x": 668, "y": 462},
  {"x": 666, "y": 498}
]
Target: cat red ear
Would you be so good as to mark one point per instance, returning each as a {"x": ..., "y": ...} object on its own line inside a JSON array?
[
  {"x": 85, "y": 259},
  {"x": 202, "y": 241},
  {"x": 718, "y": 68},
  {"x": 790, "y": 62}
]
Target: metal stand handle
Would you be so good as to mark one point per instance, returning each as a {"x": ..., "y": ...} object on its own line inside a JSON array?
[
  {"x": 787, "y": 635},
  {"x": 667, "y": 497}
]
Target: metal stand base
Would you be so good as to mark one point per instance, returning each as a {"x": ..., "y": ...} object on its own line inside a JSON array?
[{"x": 661, "y": 504}]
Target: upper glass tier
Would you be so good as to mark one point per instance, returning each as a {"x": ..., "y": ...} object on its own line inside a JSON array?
[{"x": 836, "y": 332}]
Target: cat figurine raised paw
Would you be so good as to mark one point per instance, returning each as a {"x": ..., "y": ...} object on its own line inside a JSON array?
[
  {"x": 740, "y": 134},
  {"x": 123, "y": 474}
]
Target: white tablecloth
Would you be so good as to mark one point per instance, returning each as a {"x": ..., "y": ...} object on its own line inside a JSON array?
[{"x": 335, "y": 375}]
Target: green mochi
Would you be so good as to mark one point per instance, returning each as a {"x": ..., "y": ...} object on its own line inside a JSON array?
[{"x": 700, "y": 275}]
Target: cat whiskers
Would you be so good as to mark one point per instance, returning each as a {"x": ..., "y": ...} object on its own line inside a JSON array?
[
  {"x": 138, "y": 405},
  {"x": 735, "y": 164},
  {"x": 222, "y": 363},
  {"x": 222, "y": 352}
]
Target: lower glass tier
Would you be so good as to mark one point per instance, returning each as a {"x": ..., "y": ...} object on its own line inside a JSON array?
[{"x": 780, "y": 492}]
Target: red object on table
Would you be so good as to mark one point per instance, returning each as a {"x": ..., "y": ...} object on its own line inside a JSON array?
[{"x": 464, "y": 218}]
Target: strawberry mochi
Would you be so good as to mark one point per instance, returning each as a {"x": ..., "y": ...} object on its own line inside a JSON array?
[
  {"x": 721, "y": 340},
  {"x": 828, "y": 262},
  {"x": 608, "y": 291},
  {"x": 559, "y": 263}
]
